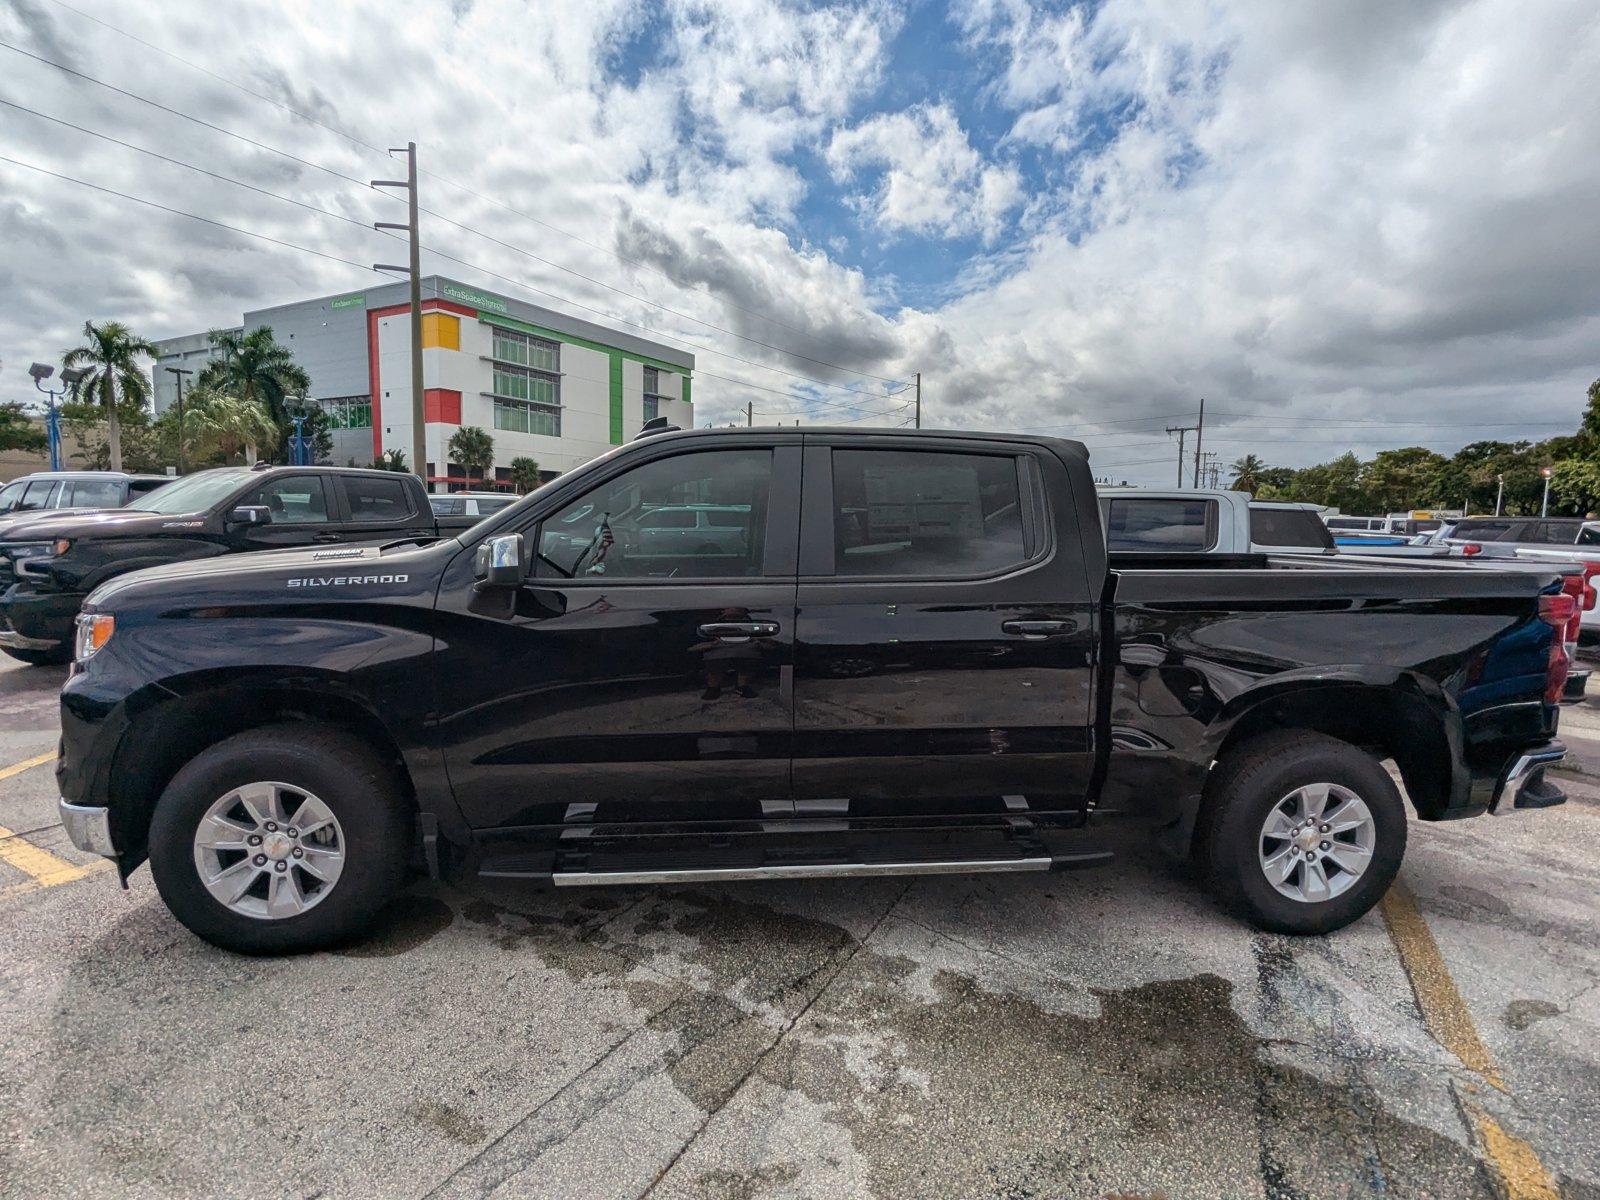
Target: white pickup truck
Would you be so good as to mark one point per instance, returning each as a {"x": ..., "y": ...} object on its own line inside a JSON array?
[{"x": 1212, "y": 521}]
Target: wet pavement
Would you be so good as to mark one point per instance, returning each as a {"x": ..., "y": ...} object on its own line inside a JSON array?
[{"x": 1105, "y": 1033}]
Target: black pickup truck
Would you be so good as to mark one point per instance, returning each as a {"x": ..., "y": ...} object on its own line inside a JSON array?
[
  {"x": 902, "y": 653},
  {"x": 48, "y": 564}
]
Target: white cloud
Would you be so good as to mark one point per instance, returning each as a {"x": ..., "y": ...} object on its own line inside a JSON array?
[
  {"x": 1364, "y": 209},
  {"x": 933, "y": 180}
]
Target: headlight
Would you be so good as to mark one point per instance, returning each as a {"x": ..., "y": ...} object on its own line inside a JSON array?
[
  {"x": 94, "y": 631},
  {"x": 26, "y": 550}
]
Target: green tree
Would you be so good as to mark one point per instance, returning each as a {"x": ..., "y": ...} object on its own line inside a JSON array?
[
  {"x": 115, "y": 380},
  {"x": 524, "y": 475},
  {"x": 1396, "y": 480},
  {"x": 473, "y": 448},
  {"x": 392, "y": 460},
  {"x": 18, "y": 432},
  {"x": 227, "y": 426},
  {"x": 255, "y": 366},
  {"x": 1247, "y": 474}
]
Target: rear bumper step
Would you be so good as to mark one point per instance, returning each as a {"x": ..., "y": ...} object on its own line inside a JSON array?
[{"x": 799, "y": 871}]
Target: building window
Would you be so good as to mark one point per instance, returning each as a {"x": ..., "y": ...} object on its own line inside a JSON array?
[
  {"x": 652, "y": 393},
  {"x": 526, "y": 351},
  {"x": 516, "y": 416},
  {"x": 348, "y": 412}
]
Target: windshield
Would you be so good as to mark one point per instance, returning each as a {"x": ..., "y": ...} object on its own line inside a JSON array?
[{"x": 193, "y": 494}]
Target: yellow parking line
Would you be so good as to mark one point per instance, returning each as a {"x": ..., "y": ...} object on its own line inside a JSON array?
[
  {"x": 27, "y": 764},
  {"x": 45, "y": 869},
  {"x": 1522, "y": 1175},
  {"x": 1441, "y": 1004}
]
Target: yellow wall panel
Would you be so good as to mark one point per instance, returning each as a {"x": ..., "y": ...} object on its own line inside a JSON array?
[{"x": 441, "y": 331}]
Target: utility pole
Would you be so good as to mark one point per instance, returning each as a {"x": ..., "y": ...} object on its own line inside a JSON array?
[
  {"x": 919, "y": 400},
  {"x": 179, "y": 373},
  {"x": 1181, "y": 431},
  {"x": 749, "y": 413},
  {"x": 419, "y": 430},
  {"x": 1199, "y": 432}
]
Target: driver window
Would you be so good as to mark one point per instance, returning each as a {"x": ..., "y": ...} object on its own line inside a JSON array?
[
  {"x": 647, "y": 523},
  {"x": 293, "y": 499}
]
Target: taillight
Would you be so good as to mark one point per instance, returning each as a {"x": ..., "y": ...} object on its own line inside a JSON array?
[
  {"x": 1557, "y": 611},
  {"x": 1470, "y": 549},
  {"x": 1575, "y": 586},
  {"x": 1587, "y": 601}
]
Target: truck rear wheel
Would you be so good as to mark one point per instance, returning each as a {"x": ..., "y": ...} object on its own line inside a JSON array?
[
  {"x": 282, "y": 839},
  {"x": 1301, "y": 833}
]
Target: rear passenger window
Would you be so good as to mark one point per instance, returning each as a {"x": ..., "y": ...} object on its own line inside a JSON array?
[
  {"x": 925, "y": 513},
  {"x": 93, "y": 493},
  {"x": 1289, "y": 527},
  {"x": 377, "y": 499},
  {"x": 1171, "y": 526}
]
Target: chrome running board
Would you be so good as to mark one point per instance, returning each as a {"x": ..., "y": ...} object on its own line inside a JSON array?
[{"x": 799, "y": 871}]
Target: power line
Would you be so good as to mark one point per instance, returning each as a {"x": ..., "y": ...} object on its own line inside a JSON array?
[
  {"x": 347, "y": 135},
  {"x": 178, "y": 212},
  {"x": 541, "y": 291}
]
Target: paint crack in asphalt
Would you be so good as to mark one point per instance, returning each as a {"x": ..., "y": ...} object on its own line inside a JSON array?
[{"x": 838, "y": 969}]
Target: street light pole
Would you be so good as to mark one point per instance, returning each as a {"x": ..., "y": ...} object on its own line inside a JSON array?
[
  {"x": 1499, "y": 492},
  {"x": 179, "y": 373},
  {"x": 52, "y": 421},
  {"x": 1544, "y": 505}
]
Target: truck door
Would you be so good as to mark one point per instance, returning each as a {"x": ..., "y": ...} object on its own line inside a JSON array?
[
  {"x": 375, "y": 509},
  {"x": 944, "y": 640},
  {"x": 303, "y": 514},
  {"x": 636, "y": 680}
]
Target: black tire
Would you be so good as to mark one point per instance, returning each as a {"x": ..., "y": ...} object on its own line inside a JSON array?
[
  {"x": 1257, "y": 775},
  {"x": 53, "y": 657},
  {"x": 359, "y": 787}
]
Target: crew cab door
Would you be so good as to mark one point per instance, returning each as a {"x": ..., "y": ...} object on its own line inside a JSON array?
[
  {"x": 303, "y": 514},
  {"x": 375, "y": 509},
  {"x": 630, "y": 682},
  {"x": 945, "y": 635}
]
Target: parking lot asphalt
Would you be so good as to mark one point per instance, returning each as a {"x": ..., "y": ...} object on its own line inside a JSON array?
[{"x": 1106, "y": 1033}]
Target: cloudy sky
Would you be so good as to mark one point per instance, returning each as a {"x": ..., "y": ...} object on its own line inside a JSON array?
[{"x": 1345, "y": 224}]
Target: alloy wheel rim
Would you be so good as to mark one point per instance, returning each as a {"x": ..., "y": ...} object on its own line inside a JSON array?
[
  {"x": 269, "y": 850},
  {"x": 1316, "y": 842}
]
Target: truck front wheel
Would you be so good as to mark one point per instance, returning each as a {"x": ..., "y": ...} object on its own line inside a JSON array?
[
  {"x": 282, "y": 839},
  {"x": 1301, "y": 833}
]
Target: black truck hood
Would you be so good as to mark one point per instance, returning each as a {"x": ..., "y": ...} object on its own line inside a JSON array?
[
  {"x": 111, "y": 522},
  {"x": 291, "y": 574}
]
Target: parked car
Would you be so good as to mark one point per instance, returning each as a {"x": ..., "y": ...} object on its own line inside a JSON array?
[
  {"x": 49, "y": 564},
  {"x": 1196, "y": 521},
  {"x": 960, "y": 680},
  {"x": 471, "y": 504},
  {"x": 78, "y": 491}
]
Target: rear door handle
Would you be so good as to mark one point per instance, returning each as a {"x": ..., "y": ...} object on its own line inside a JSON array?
[
  {"x": 1035, "y": 629},
  {"x": 739, "y": 631}
]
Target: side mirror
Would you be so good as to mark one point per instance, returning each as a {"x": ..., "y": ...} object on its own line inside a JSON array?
[
  {"x": 500, "y": 563},
  {"x": 250, "y": 514}
]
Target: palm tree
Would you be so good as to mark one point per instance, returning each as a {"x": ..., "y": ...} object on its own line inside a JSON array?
[
  {"x": 1247, "y": 472},
  {"x": 524, "y": 475},
  {"x": 255, "y": 366},
  {"x": 229, "y": 424},
  {"x": 114, "y": 376},
  {"x": 474, "y": 450}
]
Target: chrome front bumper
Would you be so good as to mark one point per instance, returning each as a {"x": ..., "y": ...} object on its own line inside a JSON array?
[
  {"x": 89, "y": 828},
  {"x": 1527, "y": 775}
]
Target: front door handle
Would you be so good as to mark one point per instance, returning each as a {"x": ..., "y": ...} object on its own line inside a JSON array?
[
  {"x": 327, "y": 537},
  {"x": 1036, "y": 629},
  {"x": 739, "y": 631}
]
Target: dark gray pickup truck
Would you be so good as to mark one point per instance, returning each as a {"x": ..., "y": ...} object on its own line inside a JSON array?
[{"x": 909, "y": 653}]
